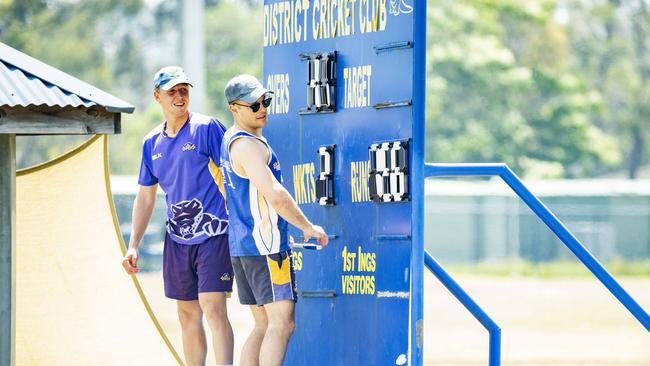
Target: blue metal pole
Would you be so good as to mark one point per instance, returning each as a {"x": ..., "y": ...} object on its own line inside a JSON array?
[
  {"x": 417, "y": 181},
  {"x": 551, "y": 221},
  {"x": 471, "y": 305},
  {"x": 495, "y": 347}
]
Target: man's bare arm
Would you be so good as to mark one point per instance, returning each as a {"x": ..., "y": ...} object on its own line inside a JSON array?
[
  {"x": 251, "y": 157},
  {"x": 143, "y": 206}
]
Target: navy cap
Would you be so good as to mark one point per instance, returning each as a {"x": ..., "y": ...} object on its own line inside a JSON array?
[
  {"x": 170, "y": 76},
  {"x": 245, "y": 88}
]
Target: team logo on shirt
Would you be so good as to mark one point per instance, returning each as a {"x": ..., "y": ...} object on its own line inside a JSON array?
[
  {"x": 189, "y": 220},
  {"x": 189, "y": 146},
  {"x": 276, "y": 166},
  {"x": 227, "y": 170}
]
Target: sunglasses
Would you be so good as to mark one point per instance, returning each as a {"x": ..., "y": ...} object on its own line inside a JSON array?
[{"x": 256, "y": 106}]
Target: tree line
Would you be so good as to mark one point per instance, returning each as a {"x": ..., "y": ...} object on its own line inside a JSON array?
[{"x": 554, "y": 88}]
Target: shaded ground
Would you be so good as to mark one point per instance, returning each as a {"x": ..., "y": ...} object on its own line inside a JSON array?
[{"x": 558, "y": 321}]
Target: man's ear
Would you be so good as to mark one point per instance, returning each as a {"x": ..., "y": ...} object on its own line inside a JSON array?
[{"x": 156, "y": 95}]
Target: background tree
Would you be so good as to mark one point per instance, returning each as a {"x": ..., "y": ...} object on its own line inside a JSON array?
[
  {"x": 501, "y": 88},
  {"x": 610, "y": 48},
  {"x": 74, "y": 37},
  {"x": 555, "y": 88}
]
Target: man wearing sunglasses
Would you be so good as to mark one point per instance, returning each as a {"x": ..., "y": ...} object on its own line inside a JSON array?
[
  {"x": 259, "y": 208},
  {"x": 180, "y": 156}
]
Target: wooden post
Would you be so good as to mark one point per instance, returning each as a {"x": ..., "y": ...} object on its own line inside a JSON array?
[{"x": 7, "y": 249}]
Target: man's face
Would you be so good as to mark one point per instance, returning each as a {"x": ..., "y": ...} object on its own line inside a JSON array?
[
  {"x": 174, "y": 101},
  {"x": 244, "y": 115}
]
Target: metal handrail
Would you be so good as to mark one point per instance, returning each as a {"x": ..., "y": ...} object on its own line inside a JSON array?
[
  {"x": 471, "y": 305},
  {"x": 503, "y": 171}
]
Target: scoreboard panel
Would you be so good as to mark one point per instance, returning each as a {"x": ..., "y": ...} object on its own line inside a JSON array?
[{"x": 348, "y": 111}]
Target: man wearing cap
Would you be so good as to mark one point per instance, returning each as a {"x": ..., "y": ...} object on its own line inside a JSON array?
[
  {"x": 180, "y": 156},
  {"x": 259, "y": 208}
]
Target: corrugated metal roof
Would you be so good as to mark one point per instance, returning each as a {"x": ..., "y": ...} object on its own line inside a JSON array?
[
  {"x": 26, "y": 81},
  {"x": 20, "y": 89}
]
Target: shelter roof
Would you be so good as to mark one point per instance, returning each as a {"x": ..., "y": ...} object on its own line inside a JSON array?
[{"x": 28, "y": 82}]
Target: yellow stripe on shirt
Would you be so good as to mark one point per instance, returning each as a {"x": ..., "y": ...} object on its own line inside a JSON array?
[{"x": 217, "y": 175}]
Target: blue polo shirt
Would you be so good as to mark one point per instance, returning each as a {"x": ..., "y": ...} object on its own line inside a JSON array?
[{"x": 184, "y": 166}]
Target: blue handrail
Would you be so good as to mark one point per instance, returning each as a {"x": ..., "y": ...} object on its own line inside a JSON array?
[
  {"x": 471, "y": 305},
  {"x": 503, "y": 171}
]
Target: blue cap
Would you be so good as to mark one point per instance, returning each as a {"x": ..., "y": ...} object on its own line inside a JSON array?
[
  {"x": 170, "y": 76},
  {"x": 245, "y": 88}
]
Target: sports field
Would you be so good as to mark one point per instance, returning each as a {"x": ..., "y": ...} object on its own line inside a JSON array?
[{"x": 556, "y": 321}]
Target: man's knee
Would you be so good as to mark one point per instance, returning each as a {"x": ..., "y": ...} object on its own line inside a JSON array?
[
  {"x": 216, "y": 314},
  {"x": 214, "y": 308},
  {"x": 284, "y": 325},
  {"x": 189, "y": 314},
  {"x": 260, "y": 328}
]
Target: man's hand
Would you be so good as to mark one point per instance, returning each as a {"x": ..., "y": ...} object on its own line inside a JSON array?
[
  {"x": 130, "y": 261},
  {"x": 316, "y": 232}
]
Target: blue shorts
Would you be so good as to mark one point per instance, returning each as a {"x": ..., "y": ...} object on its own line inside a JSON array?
[
  {"x": 264, "y": 279},
  {"x": 190, "y": 269}
]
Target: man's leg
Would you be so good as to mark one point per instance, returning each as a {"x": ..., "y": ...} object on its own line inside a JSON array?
[
  {"x": 250, "y": 353},
  {"x": 213, "y": 305},
  {"x": 194, "y": 344},
  {"x": 215, "y": 275},
  {"x": 281, "y": 323}
]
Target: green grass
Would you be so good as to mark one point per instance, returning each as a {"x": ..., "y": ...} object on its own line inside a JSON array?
[{"x": 520, "y": 268}]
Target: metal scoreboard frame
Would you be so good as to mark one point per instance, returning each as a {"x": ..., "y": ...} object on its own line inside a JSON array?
[{"x": 347, "y": 123}]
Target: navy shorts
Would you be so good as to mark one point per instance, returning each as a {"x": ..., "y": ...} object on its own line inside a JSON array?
[
  {"x": 264, "y": 279},
  {"x": 190, "y": 269}
]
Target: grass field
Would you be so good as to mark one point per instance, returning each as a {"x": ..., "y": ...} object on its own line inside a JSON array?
[{"x": 557, "y": 321}]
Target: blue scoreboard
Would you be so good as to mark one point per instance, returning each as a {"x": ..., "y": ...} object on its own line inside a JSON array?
[{"x": 347, "y": 123}]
